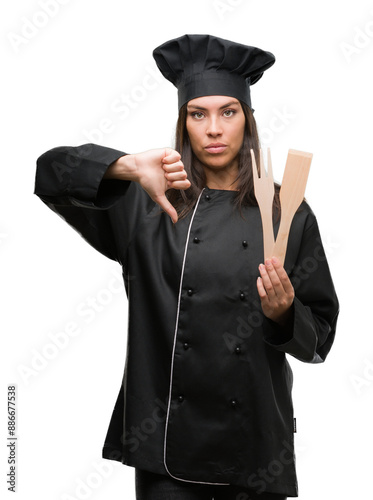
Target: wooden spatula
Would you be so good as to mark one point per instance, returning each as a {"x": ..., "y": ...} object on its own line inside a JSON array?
[{"x": 291, "y": 196}]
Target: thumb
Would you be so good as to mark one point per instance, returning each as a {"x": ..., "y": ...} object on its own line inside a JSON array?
[{"x": 167, "y": 207}]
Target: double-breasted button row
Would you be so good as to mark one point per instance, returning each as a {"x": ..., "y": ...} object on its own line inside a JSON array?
[
  {"x": 233, "y": 401},
  {"x": 244, "y": 242},
  {"x": 242, "y": 294}
]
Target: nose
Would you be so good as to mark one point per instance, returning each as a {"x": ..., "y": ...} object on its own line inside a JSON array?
[{"x": 214, "y": 127}]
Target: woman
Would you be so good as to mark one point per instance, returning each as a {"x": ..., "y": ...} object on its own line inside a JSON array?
[{"x": 204, "y": 409}]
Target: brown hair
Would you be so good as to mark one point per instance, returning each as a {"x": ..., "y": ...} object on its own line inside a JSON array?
[{"x": 184, "y": 200}]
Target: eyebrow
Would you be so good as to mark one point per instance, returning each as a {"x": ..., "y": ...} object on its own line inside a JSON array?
[{"x": 221, "y": 107}]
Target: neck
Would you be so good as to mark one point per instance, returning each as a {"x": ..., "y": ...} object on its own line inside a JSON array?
[
  {"x": 222, "y": 178},
  {"x": 222, "y": 188}
]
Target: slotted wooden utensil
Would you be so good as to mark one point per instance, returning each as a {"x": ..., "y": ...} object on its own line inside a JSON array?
[
  {"x": 292, "y": 192},
  {"x": 264, "y": 192},
  {"x": 291, "y": 196}
]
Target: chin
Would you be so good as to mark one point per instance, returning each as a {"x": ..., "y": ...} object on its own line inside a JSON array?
[{"x": 217, "y": 162}]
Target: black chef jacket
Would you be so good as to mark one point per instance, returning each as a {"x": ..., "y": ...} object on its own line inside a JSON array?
[{"x": 206, "y": 391}]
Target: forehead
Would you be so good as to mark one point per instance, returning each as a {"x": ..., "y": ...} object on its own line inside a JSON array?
[{"x": 213, "y": 101}]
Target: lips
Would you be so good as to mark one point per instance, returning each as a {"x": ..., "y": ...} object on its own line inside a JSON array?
[{"x": 216, "y": 147}]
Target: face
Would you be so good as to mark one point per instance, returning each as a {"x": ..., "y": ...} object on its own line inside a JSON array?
[{"x": 215, "y": 125}]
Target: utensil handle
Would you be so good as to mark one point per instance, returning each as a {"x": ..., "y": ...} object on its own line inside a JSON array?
[
  {"x": 280, "y": 246},
  {"x": 268, "y": 236}
]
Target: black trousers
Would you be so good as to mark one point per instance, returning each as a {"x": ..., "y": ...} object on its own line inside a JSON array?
[{"x": 150, "y": 486}]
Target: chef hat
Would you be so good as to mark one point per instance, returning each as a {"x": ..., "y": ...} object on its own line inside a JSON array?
[{"x": 200, "y": 65}]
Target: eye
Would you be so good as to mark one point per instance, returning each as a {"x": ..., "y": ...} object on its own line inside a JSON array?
[
  {"x": 198, "y": 115},
  {"x": 229, "y": 112}
]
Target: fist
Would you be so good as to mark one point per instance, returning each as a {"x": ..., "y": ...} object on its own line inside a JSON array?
[{"x": 159, "y": 170}]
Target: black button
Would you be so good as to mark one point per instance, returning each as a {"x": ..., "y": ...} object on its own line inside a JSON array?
[
  {"x": 233, "y": 403},
  {"x": 208, "y": 197},
  {"x": 237, "y": 350},
  {"x": 242, "y": 296},
  {"x": 196, "y": 240},
  {"x": 180, "y": 398},
  {"x": 245, "y": 243},
  {"x": 190, "y": 292},
  {"x": 186, "y": 345}
]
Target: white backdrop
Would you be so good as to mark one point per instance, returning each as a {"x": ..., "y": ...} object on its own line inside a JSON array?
[{"x": 77, "y": 71}]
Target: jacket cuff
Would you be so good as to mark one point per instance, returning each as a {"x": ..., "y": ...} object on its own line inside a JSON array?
[{"x": 298, "y": 339}]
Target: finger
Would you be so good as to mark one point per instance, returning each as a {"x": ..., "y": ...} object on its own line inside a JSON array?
[
  {"x": 283, "y": 275},
  {"x": 274, "y": 277},
  {"x": 176, "y": 176},
  {"x": 267, "y": 282},
  {"x": 173, "y": 167},
  {"x": 171, "y": 156},
  {"x": 167, "y": 207},
  {"x": 261, "y": 290},
  {"x": 179, "y": 184}
]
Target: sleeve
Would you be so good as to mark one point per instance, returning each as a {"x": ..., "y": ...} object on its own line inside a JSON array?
[
  {"x": 310, "y": 334},
  {"x": 69, "y": 180}
]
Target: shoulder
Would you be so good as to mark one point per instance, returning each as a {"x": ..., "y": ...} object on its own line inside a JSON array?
[
  {"x": 304, "y": 225},
  {"x": 304, "y": 238},
  {"x": 305, "y": 216}
]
